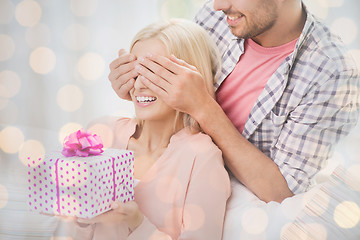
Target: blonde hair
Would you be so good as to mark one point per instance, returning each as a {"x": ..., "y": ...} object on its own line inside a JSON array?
[{"x": 187, "y": 41}]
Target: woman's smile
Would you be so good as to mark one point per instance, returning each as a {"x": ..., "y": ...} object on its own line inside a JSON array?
[{"x": 145, "y": 100}]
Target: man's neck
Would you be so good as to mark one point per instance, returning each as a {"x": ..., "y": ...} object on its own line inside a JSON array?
[{"x": 288, "y": 26}]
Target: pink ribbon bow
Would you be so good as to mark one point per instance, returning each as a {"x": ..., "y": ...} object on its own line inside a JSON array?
[{"x": 82, "y": 144}]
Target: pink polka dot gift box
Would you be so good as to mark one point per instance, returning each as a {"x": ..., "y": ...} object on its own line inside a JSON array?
[{"x": 82, "y": 180}]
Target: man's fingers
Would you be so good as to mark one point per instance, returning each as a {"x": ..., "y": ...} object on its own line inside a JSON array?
[
  {"x": 154, "y": 76},
  {"x": 164, "y": 62},
  {"x": 182, "y": 62},
  {"x": 172, "y": 64},
  {"x": 121, "y": 60},
  {"x": 121, "y": 52},
  {"x": 161, "y": 92},
  {"x": 124, "y": 89},
  {"x": 156, "y": 68},
  {"x": 122, "y": 74},
  {"x": 127, "y": 68}
]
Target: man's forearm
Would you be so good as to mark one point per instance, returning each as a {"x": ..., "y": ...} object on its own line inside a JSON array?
[{"x": 248, "y": 164}]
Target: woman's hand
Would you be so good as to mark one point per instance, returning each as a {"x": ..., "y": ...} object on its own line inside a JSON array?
[
  {"x": 128, "y": 213},
  {"x": 122, "y": 74}
]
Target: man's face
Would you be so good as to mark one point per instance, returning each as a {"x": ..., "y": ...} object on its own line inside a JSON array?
[{"x": 248, "y": 18}]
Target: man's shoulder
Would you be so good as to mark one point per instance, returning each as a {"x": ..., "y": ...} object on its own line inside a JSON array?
[
  {"x": 214, "y": 22},
  {"x": 322, "y": 45}
]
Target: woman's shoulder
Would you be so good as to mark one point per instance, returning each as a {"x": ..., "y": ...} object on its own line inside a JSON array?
[{"x": 197, "y": 143}]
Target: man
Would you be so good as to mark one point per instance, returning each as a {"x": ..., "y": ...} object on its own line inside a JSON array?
[{"x": 287, "y": 91}]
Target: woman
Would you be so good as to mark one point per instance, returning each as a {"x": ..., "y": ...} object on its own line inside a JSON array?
[{"x": 182, "y": 185}]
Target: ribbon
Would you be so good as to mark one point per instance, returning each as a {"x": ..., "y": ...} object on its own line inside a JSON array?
[
  {"x": 82, "y": 143},
  {"x": 114, "y": 172},
  {"x": 57, "y": 187}
]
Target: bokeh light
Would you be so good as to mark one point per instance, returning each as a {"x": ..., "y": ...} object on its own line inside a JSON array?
[
  {"x": 6, "y": 11},
  {"x": 3, "y": 103},
  {"x": 28, "y": 13},
  {"x": 166, "y": 194},
  {"x": 292, "y": 231},
  {"x": 83, "y": 8},
  {"x": 321, "y": 203},
  {"x": 10, "y": 84},
  {"x": 4, "y": 196},
  {"x": 194, "y": 215},
  {"x": 7, "y": 47},
  {"x": 67, "y": 129},
  {"x": 67, "y": 40},
  {"x": 9, "y": 112},
  {"x": 70, "y": 98},
  {"x": 42, "y": 60},
  {"x": 346, "y": 28},
  {"x": 11, "y": 139},
  {"x": 347, "y": 214},
  {"x": 320, "y": 7},
  {"x": 76, "y": 37},
  {"x": 302, "y": 231},
  {"x": 32, "y": 149},
  {"x": 91, "y": 66},
  {"x": 354, "y": 178},
  {"x": 174, "y": 8},
  {"x": 355, "y": 53},
  {"x": 335, "y": 3},
  {"x": 254, "y": 220},
  {"x": 38, "y": 35},
  {"x": 105, "y": 132}
]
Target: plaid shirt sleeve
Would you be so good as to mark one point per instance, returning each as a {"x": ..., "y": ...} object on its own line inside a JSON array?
[
  {"x": 326, "y": 113},
  {"x": 307, "y": 106}
]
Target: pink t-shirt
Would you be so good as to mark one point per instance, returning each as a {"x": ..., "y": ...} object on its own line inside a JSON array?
[{"x": 239, "y": 91}]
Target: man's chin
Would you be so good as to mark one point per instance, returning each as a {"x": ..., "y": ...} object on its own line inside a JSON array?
[{"x": 237, "y": 33}]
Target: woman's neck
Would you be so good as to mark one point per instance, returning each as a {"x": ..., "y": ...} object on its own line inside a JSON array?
[
  {"x": 155, "y": 135},
  {"x": 149, "y": 142}
]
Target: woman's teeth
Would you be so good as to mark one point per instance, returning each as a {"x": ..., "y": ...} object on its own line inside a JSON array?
[{"x": 145, "y": 99}]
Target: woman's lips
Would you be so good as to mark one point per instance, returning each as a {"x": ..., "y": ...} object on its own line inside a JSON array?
[{"x": 145, "y": 100}]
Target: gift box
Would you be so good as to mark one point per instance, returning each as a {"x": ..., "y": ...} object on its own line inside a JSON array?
[{"x": 80, "y": 186}]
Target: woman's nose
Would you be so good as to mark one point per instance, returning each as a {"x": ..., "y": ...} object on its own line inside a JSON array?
[{"x": 138, "y": 83}]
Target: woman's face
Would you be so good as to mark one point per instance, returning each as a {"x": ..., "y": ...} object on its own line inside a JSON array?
[{"x": 147, "y": 105}]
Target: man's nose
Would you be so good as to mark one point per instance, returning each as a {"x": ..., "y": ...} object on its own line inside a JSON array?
[{"x": 221, "y": 5}]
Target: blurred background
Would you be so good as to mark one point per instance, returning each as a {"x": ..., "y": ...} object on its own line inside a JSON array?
[{"x": 54, "y": 58}]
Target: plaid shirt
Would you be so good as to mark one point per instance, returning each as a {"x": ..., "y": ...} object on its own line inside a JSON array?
[{"x": 308, "y": 104}]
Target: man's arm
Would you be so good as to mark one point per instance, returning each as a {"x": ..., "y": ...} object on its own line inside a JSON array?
[
  {"x": 182, "y": 87},
  {"x": 247, "y": 163}
]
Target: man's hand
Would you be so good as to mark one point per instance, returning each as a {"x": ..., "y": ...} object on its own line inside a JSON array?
[
  {"x": 122, "y": 74},
  {"x": 128, "y": 213},
  {"x": 176, "y": 82}
]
